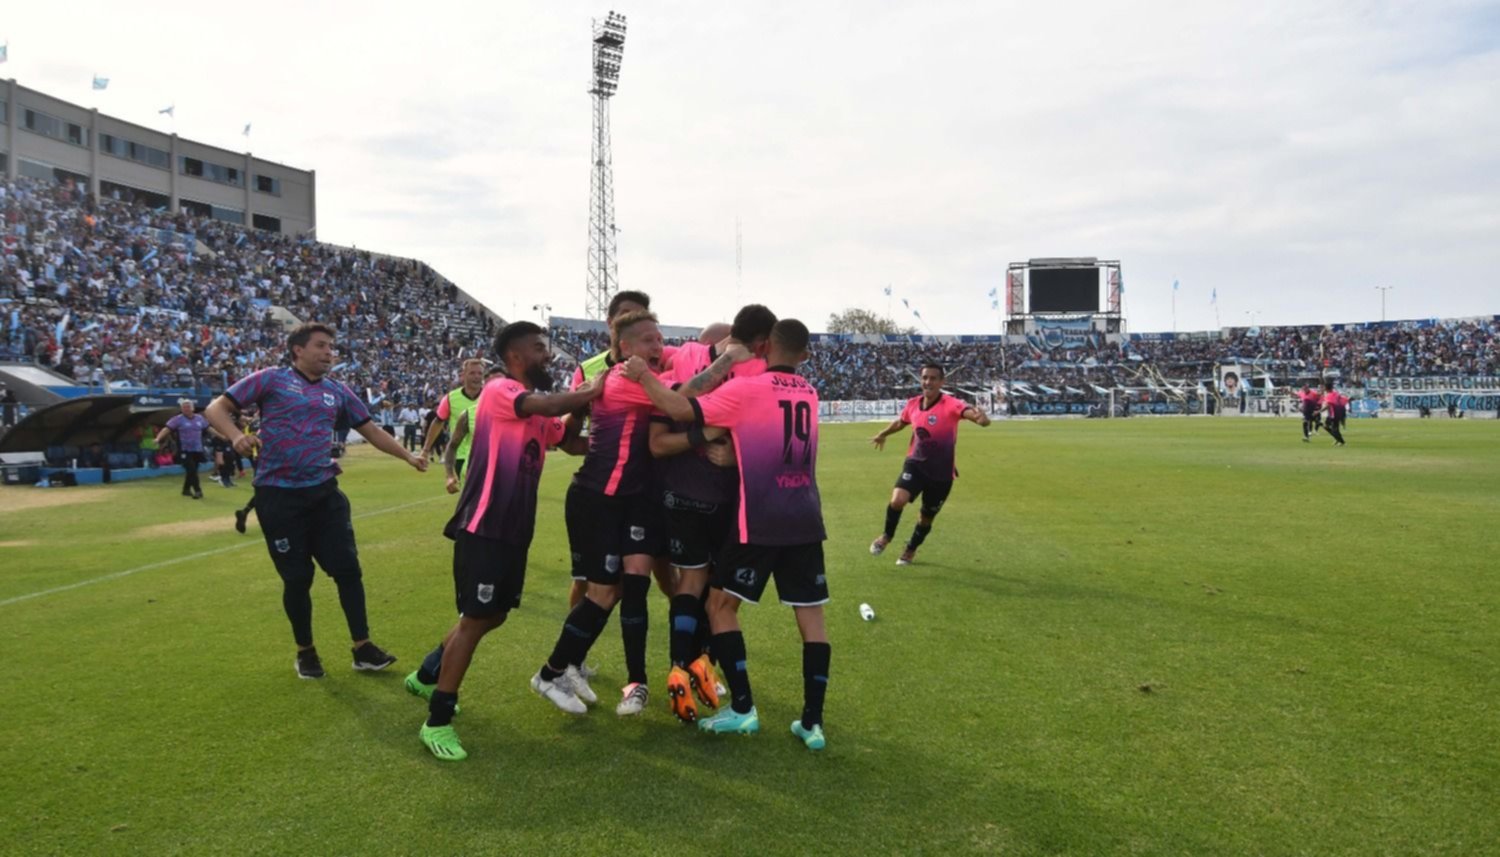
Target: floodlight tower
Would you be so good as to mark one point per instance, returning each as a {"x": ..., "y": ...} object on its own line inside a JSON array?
[{"x": 604, "y": 274}]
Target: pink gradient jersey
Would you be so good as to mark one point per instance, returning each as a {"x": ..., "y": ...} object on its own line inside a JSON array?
[
  {"x": 619, "y": 457},
  {"x": 774, "y": 420},
  {"x": 934, "y": 435},
  {"x": 505, "y": 465},
  {"x": 691, "y": 474}
]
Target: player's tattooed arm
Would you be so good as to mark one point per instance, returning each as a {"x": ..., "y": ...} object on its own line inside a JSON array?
[
  {"x": 717, "y": 371},
  {"x": 878, "y": 441}
]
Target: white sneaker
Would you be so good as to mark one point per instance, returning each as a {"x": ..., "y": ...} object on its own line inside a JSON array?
[
  {"x": 636, "y": 696},
  {"x": 559, "y": 693},
  {"x": 580, "y": 685},
  {"x": 877, "y": 547}
]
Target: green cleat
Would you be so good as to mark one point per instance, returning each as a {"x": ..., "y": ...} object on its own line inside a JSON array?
[
  {"x": 415, "y": 687},
  {"x": 731, "y": 721},
  {"x": 813, "y": 737},
  {"x": 443, "y": 742}
]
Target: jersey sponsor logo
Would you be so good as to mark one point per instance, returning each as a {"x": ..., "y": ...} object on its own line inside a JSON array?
[
  {"x": 637, "y": 534},
  {"x": 486, "y": 593},
  {"x": 328, "y": 399},
  {"x": 745, "y": 576},
  {"x": 283, "y": 545},
  {"x": 612, "y": 564},
  {"x": 793, "y": 480}
]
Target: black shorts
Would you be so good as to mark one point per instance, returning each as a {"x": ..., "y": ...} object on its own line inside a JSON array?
[
  {"x": 1309, "y": 412},
  {"x": 305, "y": 524},
  {"x": 934, "y": 492},
  {"x": 744, "y": 570},
  {"x": 602, "y": 530},
  {"x": 488, "y": 575},
  {"x": 695, "y": 529}
]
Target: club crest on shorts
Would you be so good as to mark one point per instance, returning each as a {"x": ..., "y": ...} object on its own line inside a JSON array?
[
  {"x": 486, "y": 593},
  {"x": 328, "y": 399},
  {"x": 283, "y": 545},
  {"x": 612, "y": 564},
  {"x": 637, "y": 534},
  {"x": 676, "y": 546},
  {"x": 906, "y": 477}
]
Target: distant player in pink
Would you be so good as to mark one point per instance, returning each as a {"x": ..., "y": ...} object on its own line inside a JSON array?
[
  {"x": 929, "y": 469},
  {"x": 1310, "y": 400},
  {"x": 1337, "y": 405},
  {"x": 492, "y": 526},
  {"x": 778, "y": 532}
]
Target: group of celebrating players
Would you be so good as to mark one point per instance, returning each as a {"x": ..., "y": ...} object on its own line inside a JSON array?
[
  {"x": 699, "y": 467},
  {"x": 1315, "y": 405}
]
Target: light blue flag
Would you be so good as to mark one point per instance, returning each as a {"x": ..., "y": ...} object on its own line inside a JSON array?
[
  {"x": 4, "y": 51},
  {"x": 15, "y": 319},
  {"x": 994, "y": 293},
  {"x": 170, "y": 110},
  {"x": 905, "y": 304},
  {"x": 247, "y": 129},
  {"x": 101, "y": 82},
  {"x": 1214, "y": 298},
  {"x": 1174, "y": 285}
]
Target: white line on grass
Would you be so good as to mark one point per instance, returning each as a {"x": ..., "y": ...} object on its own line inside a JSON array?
[{"x": 190, "y": 557}]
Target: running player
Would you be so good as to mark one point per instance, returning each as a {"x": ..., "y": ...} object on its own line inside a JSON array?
[
  {"x": 929, "y": 469},
  {"x": 699, "y": 488},
  {"x": 302, "y": 513},
  {"x": 610, "y": 530},
  {"x": 1310, "y": 401},
  {"x": 1337, "y": 405},
  {"x": 495, "y": 519},
  {"x": 460, "y": 400},
  {"x": 773, "y": 418}
]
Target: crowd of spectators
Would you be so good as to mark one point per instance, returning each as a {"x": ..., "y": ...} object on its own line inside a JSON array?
[{"x": 107, "y": 292}]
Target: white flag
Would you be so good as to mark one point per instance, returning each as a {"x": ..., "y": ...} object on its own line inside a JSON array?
[
  {"x": 168, "y": 111},
  {"x": 247, "y": 129}
]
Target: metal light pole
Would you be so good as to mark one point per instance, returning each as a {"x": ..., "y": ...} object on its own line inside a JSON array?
[
  {"x": 1383, "y": 290},
  {"x": 603, "y": 271},
  {"x": 544, "y": 312}
]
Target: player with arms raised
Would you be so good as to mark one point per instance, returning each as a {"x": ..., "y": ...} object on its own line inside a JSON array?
[
  {"x": 929, "y": 469},
  {"x": 773, "y": 419}
]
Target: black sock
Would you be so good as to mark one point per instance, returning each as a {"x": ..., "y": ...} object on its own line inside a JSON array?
[
  {"x": 730, "y": 646},
  {"x": 704, "y": 640},
  {"x": 440, "y": 708},
  {"x": 634, "y": 624},
  {"x": 918, "y": 535},
  {"x": 892, "y": 520},
  {"x": 1333, "y": 430},
  {"x": 684, "y": 617},
  {"x": 431, "y": 666},
  {"x": 815, "y": 658},
  {"x": 580, "y": 630}
]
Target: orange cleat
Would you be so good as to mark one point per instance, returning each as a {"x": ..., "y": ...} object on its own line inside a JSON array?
[
  {"x": 705, "y": 681},
  {"x": 680, "y": 695}
]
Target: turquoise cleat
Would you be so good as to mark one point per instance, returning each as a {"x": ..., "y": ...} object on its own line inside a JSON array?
[
  {"x": 731, "y": 721},
  {"x": 813, "y": 737}
]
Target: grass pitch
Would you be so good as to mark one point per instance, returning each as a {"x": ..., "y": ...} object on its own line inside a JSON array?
[{"x": 1126, "y": 637}]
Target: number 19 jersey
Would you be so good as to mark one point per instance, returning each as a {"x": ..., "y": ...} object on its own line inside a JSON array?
[{"x": 773, "y": 418}]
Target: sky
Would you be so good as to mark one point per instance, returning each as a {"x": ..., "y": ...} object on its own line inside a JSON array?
[{"x": 1289, "y": 156}]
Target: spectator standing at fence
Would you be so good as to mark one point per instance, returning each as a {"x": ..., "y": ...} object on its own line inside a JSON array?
[
  {"x": 8, "y": 403},
  {"x": 303, "y": 514},
  {"x": 409, "y": 419},
  {"x": 188, "y": 427}
]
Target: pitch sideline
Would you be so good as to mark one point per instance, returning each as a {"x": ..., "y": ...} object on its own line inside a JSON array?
[{"x": 189, "y": 558}]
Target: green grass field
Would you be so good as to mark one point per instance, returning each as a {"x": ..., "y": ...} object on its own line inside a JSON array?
[{"x": 1123, "y": 637}]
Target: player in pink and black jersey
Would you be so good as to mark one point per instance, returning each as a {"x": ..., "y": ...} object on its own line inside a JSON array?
[
  {"x": 930, "y": 468},
  {"x": 777, "y": 531}
]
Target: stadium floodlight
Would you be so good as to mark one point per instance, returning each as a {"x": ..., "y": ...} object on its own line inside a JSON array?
[{"x": 603, "y": 271}]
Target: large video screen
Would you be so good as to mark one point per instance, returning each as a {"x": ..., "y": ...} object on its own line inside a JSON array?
[{"x": 1064, "y": 289}]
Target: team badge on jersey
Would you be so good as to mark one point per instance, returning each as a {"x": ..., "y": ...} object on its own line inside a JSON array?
[
  {"x": 283, "y": 545},
  {"x": 932, "y": 419},
  {"x": 328, "y": 399},
  {"x": 486, "y": 593}
]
